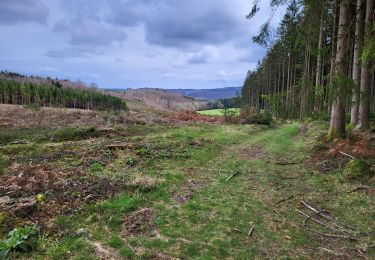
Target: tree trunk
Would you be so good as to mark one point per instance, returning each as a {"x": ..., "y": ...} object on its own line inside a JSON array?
[
  {"x": 337, "y": 124},
  {"x": 359, "y": 34},
  {"x": 364, "y": 106},
  {"x": 333, "y": 57},
  {"x": 318, "y": 76}
]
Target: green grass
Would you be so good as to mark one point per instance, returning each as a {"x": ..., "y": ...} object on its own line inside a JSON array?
[
  {"x": 195, "y": 162},
  {"x": 220, "y": 112}
]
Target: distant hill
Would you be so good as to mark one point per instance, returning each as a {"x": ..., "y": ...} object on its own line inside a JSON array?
[
  {"x": 18, "y": 89},
  {"x": 211, "y": 94},
  {"x": 207, "y": 94},
  {"x": 162, "y": 99}
]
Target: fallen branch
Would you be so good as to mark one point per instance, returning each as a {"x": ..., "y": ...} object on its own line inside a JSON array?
[
  {"x": 288, "y": 163},
  {"x": 330, "y": 251},
  {"x": 351, "y": 156},
  {"x": 361, "y": 188},
  {"x": 330, "y": 235},
  {"x": 19, "y": 142},
  {"x": 288, "y": 198},
  {"x": 362, "y": 254},
  {"x": 315, "y": 220},
  {"x": 234, "y": 174},
  {"x": 250, "y": 231},
  {"x": 289, "y": 178},
  {"x": 327, "y": 217}
]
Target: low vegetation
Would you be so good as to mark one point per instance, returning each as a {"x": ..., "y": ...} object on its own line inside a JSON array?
[
  {"x": 221, "y": 112},
  {"x": 185, "y": 191},
  {"x": 21, "y": 239}
]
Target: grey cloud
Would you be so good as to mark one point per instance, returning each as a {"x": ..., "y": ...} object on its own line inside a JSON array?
[
  {"x": 23, "y": 11},
  {"x": 91, "y": 32},
  {"x": 66, "y": 53},
  {"x": 74, "y": 52},
  {"x": 252, "y": 54},
  {"x": 190, "y": 23},
  {"x": 86, "y": 29},
  {"x": 198, "y": 58},
  {"x": 167, "y": 23},
  {"x": 174, "y": 23}
]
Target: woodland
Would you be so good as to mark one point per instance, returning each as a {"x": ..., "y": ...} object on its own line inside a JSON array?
[
  {"x": 320, "y": 62},
  {"x": 284, "y": 171}
]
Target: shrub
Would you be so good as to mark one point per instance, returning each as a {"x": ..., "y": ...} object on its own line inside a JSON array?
[
  {"x": 33, "y": 106},
  {"x": 116, "y": 242},
  {"x": 74, "y": 133},
  {"x": 21, "y": 239},
  {"x": 4, "y": 162},
  {"x": 261, "y": 118},
  {"x": 130, "y": 161},
  {"x": 96, "y": 167},
  {"x": 357, "y": 170}
]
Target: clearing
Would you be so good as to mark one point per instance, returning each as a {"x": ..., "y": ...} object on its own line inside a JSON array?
[
  {"x": 189, "y": 191},
  {"x": 220, "y": 112}
]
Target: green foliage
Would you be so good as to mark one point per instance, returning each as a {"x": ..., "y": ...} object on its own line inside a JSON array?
[
  {"x": 216, "y": 217},
  {"x": 254, "y": 10},
  {"x": 264, "y": 35},
  {"x": 74, "y": 133},
  {"x": 34, "y": 95},
  {"x": 262, "y": 118},
  {"x": 284, "y": 80},
  {"x": 126, "y": 252},
  {"x": 342, "y": 86},
  {"x": 276, "y": 102},
  {"x": 130, "y": 161},
  {"x": 232, "y": 102},
  {"x": 4, "y": 162},
  {"x": 34, "y": 106},
  {"x": 333, "y": 133},
  {"x": 350, "y": 128},
  {"x": 368, "y": 52},
  {"x": 116, "y": 242},
  {"x": 96, "y": 167},
  {"x": 40, "y": 198},
  {"x": 20, "y": 239},
  {"x": 357, "y": 170},
  {"x": 8, "y": 135},
  {"x": 220, "y": 112},
  {"x": 143, "y": 150}
]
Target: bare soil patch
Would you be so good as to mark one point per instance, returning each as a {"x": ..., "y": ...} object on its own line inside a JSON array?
[
  {"x": 63, "y": 192},
  {"x": 104, "y": 252},
  {"x": 140, "y": 222},
  {"x": 187, "y": 191},
  {"x": 251, "y": 153}
]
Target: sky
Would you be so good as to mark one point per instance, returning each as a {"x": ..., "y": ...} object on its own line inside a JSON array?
[{"x": 133, "y": 43}]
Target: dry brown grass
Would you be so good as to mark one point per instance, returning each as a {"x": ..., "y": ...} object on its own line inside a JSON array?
[{"x": 12, "y": 116}]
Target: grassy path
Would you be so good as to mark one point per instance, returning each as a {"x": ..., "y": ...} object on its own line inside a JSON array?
[{"x": 184, "y": 204}]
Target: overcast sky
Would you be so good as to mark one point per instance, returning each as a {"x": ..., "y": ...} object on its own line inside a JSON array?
[{"x": 132, "y": 43}]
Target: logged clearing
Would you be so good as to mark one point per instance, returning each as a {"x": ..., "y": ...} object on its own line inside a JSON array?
[
  {"x": 184, "y": 191},
  {"x": 220, "y": 112}
]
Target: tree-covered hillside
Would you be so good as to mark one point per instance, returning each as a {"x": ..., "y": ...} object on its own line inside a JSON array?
[
  {"x": 55, "y": 94},
  {"x": 320, "y": 63}
]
